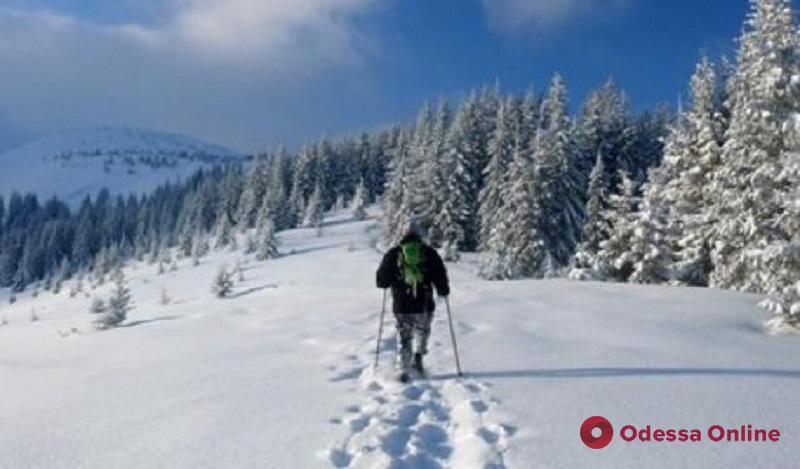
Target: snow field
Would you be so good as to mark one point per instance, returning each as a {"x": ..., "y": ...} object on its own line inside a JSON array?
[{"x": 280, "y": 374}]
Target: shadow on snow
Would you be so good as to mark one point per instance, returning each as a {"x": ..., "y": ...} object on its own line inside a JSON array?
[{"x": 621, "y": 372}]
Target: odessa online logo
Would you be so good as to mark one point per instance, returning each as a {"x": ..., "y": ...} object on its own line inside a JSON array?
[{"x": 596, "y": 432}]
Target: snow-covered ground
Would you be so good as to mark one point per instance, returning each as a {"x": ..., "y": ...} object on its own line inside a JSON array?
[
  {"x": 280, "y": 374},
  {"x": 80, "y": 162}
]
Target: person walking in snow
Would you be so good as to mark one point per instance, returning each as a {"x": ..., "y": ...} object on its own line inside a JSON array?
[{"x": 412, "y": 270}]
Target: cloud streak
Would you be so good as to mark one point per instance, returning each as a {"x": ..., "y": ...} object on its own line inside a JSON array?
[{"x": 517, "y": 15}]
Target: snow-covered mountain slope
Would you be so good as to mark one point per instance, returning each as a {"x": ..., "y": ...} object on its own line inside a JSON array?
[
  {"x": 280, "y": 374},
  {"x": 76, "y": 163}
]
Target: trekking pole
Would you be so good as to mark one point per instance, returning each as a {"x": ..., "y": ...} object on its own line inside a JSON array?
[
  {"x": 380, "y": 330},
  {"x": 453, "y": 335}
]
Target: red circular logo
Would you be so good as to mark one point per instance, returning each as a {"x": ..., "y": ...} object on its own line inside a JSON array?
[{"x": 603, "y": 427}]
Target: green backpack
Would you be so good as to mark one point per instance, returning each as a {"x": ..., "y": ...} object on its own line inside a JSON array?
[{"x": 410, "y": 261}]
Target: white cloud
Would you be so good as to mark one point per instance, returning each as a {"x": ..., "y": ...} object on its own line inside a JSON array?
[
  {"x": 544, "y": 14},
  {"x": 232, "y": 70}
]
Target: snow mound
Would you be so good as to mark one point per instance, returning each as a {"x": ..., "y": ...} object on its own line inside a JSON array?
[{"x": 75, "y": 163}]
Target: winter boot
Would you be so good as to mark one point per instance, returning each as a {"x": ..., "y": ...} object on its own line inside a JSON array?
[{"x": 418, "y": 363}]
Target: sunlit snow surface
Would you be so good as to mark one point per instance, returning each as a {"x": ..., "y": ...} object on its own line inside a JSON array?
[{"x": 280, "y": 374}]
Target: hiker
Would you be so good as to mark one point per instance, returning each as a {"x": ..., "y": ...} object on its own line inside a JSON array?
[{"x": 412, "y": 270}]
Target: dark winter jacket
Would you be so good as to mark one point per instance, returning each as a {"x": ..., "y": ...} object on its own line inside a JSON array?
[{"x": 435, "y": 275}]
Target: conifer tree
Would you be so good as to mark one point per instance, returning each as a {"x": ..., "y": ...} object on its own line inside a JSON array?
[
  {"x": 561, "y": 189},
  {"x": 357, "y": 207},
  {"x": 596, "y": 227},
  {"x": 314, "y": 211},
  {"x": 267, "y": 242},
  {"x": 755, "y": 177},
  {"x": 501, "y": 149},
  {"x": 615, "y": 261}
]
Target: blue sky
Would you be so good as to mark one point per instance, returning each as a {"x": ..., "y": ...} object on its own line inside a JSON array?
[{"x": 254, "y": 73}]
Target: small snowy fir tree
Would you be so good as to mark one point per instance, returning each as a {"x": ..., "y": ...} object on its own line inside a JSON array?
[
  {"x": 62, "y": 275},
  {"x": 314, "y": 211},
  {"x": 267, "y": 242},
  {"x": 119, "y": 305},
  {"x": 358, "y": 207},
  {"x": 224, "y": 230},
  {"x": 165, "y": 299},
  {"x": 200, "y": 247},
  {"x": 98, "y": 309},
  {"x": 250, "y": 244},
  {"x": 3, "y": 321},
  {"x": 238, "y": 271},
  {"x": 33, "y": 316},
  {"x": 223, "y": 283}
]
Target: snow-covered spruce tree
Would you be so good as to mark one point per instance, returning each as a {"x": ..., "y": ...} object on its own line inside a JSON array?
[
  {"x": 561, "y": 189},
  {"x": 98, "y": 309},
  {"x": 250, "y": 244},
  {"x": 165, "y": 298},
  {"x": 516, "y": 245},
  {"x": 315, "y": 210},
  {"x": 224, "y": 230},
  {"x": 501, "y": 150},
  {"x": 605, "y": 128},
  {"x": 223, "y": 283},
  {"x": 453, "y": 213},
  {"x": 119, "y": 304},
  {"x": 358, "y": 206},
  {"x": 64, "y": 274},
  {"x": 304, "y": 180},
  {"x": 615, "y": 260},
  {"x": 200, "y": 247},
  {"x": 596, "y": 227},
  {"x": 454, "y": 191},
  {"x": 649, "y": 246},
  {"x": 255, "y": 187},
  {"x": 396, "y": 197},
  {"x": 691, "y": 155},
  {"x": 466, "y": 147},
  {"x": 417, "y": 194},
  {"x": 267, "y": 241},
  {"x": 755, "y": 179},
  {"x": 434, "y": 173},
  {"x": 278, "y": 191},
  {"x": 230, "y": 191}
]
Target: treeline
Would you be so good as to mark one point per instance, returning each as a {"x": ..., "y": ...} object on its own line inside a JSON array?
[
  {"x": 507, "y": 175},
  {"x": 723, "y": 210},
  {"x": 47, "y": 243}
]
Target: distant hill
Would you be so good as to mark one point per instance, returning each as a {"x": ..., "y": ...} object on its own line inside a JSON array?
[{"x": 75, "y": 163}]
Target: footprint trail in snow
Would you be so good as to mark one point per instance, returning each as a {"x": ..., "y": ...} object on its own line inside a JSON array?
[{"x": 424, "y": 424}]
